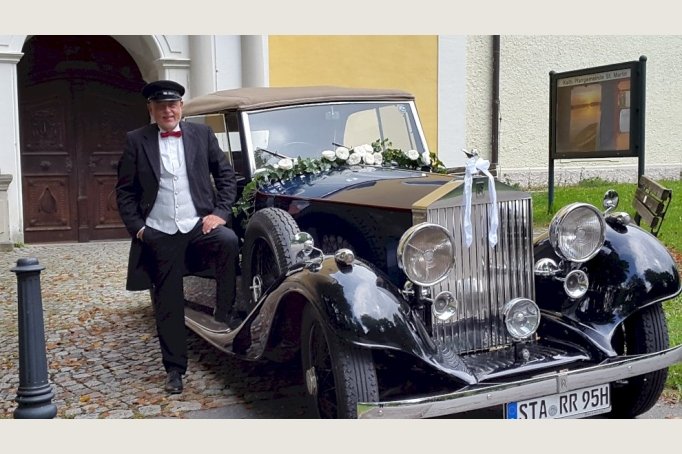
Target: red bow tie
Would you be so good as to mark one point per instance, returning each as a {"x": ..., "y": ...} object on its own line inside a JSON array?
[{"x": 171, "y": 134}]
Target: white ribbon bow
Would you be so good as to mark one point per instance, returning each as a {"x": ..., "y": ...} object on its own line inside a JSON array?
[{"x": 473, "y": 166}]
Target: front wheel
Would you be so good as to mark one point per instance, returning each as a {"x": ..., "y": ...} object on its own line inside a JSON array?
[
  {"x": 644, "y": 332},
  {"x": 337, "y": 376},
  {"x": 266, "y": 252}
]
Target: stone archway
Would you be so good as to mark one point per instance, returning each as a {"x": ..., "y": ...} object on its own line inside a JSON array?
[{"x": 78, "y": 95}]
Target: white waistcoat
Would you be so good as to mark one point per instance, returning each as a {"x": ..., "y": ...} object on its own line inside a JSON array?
[{"x": 173, "y": 209}]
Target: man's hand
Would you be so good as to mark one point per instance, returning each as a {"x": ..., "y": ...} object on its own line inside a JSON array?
[{"x": 210, "y": 222}]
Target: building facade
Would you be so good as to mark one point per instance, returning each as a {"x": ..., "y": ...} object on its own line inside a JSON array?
[{"x": 68, "y": 100}]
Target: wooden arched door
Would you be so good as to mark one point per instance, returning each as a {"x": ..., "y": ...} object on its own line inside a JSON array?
[{"x": 78, "y": 95}]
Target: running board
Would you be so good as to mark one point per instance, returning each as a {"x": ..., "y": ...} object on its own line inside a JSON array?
[{"x": 217, "y": 334}]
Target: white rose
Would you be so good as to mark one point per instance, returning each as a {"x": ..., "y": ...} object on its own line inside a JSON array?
[
  {"x": 342, "y": 153},
  {"x": 329, "y": 155},
  {"x": 426, "y": 159},
  {"x": 412, "y": 154},
  {"x": 285, "y": 164},
  {"x": 364, "y": 149},
  {"x": 368, "y": 158},
  {"x": 378, "y": 158},
  {"x": 354, "y": 159}
]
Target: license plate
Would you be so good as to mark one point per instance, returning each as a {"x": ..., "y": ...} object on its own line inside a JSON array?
[{"x": 580, "y": 403}]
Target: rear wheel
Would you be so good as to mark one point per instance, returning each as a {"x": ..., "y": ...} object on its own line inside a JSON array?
[
  {"x": 337, "y": 376},
  {"x": 644, "y": 332},
  {"x": 331, "y": 243}
]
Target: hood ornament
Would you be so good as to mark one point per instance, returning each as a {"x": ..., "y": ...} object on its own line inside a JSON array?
[
  {"x": 470, "y": 154},
  {"x": 475, "y": 165}
]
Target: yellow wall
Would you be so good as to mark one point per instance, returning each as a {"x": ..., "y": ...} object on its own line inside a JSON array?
[{"x": 408, "y": 63}]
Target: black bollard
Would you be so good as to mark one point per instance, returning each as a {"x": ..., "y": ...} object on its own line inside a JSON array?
[{"x": 34, "y": 395}]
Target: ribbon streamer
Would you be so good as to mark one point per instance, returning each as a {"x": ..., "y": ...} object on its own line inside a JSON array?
[{"x": 474, "y": 165}]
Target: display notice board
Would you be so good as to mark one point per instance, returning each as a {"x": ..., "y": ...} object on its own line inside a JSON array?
[{"x": 597, "y": 113}]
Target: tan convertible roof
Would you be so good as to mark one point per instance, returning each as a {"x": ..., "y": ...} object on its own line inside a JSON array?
[{"x": 262, "y": 97}]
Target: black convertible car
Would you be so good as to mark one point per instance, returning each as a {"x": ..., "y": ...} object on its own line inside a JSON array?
[{"x": 410, "y": 292}]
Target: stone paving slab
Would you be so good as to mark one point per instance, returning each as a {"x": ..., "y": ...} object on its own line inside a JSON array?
[{"x": 102, "y": 351}]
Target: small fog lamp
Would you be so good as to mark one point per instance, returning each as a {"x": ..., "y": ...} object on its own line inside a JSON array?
[
  {"x": 522, "y": 317},
  {"x": 444, "y": 306},
  {"x": 576, "y": 284}
]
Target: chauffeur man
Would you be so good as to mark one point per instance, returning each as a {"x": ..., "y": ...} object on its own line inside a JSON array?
[{"x": 176, "y": 219}]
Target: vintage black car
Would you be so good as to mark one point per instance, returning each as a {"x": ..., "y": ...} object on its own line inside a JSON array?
[{"x": 412, "y": 293}]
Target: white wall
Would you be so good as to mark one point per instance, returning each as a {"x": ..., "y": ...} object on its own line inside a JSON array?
[
  {"x": 228, "y": 59},
  {"x": 524, "y": 94},
  {"x": 10, "y": 54},
  {"x": 452, "y": 99},
  {"x": 479, "y": 95}
]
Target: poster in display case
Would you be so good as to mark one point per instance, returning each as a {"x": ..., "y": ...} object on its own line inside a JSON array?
[{"x": 595, "y": 112}]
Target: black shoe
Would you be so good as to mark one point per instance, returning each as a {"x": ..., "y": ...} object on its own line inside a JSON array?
[
  {"x": 232, "y": 320},
  {"x": 173, "y": 382},
  {"x": 221, "y": 315}
]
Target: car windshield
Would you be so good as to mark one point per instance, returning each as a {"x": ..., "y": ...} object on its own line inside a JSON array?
[{"x": 305, "y": 131}]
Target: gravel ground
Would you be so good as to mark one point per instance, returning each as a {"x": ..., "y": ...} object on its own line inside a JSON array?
[
  {"x": 102, "y": 351},
  {"x": 103, "y": 355}
]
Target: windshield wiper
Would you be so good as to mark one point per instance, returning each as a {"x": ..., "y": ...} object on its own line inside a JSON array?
[{"x": 273, "y": 153}]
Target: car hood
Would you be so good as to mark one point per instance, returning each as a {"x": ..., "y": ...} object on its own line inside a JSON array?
[{"x": 372, "y": 186}]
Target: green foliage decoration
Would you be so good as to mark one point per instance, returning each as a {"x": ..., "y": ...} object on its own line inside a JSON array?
[{"x": 379, "y": 154}]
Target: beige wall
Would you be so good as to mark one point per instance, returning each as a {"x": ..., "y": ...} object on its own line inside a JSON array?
[
  {"x": 524, "y": 101},
  {"x": 408, "y": 63}
]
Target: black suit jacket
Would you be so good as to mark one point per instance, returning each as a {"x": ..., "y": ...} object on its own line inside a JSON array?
[{"x": 138, "y": 184}]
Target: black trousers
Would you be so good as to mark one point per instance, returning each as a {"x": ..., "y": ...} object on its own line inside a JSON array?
[{"x": 170, "y": 257}]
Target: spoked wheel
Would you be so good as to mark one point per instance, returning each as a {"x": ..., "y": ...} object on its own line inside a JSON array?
[
  {"x": 331, "y": 243},
  {"x": 266, "y": 251},
  {"x": 264, "y": 268},
  {"x": 644, "y": 332},
  {"x": 337, "y": 376}
]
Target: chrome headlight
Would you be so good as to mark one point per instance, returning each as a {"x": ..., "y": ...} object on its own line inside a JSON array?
[
  {"x": 577, "y": 232},
  {"x": 522, "y": 317},
  {"x": 426, "y": 253}
]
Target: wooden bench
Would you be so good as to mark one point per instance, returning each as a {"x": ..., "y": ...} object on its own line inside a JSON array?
[{"x": 651, "y": 202}]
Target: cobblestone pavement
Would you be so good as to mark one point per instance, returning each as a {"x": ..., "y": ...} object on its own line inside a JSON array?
[{"x": 103, "y": 354}]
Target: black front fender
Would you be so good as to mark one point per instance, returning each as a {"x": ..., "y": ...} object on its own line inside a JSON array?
[
  {"x": 631, "y": 271},
  {"x": 358, "y": 305},
  {"x": 357, "y": 302}
]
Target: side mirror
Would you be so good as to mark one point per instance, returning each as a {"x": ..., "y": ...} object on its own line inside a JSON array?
[{"x": 610, "y": 201}]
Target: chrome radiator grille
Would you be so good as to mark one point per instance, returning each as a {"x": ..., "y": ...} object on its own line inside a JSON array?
[{"x": 485, "y": 278}]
